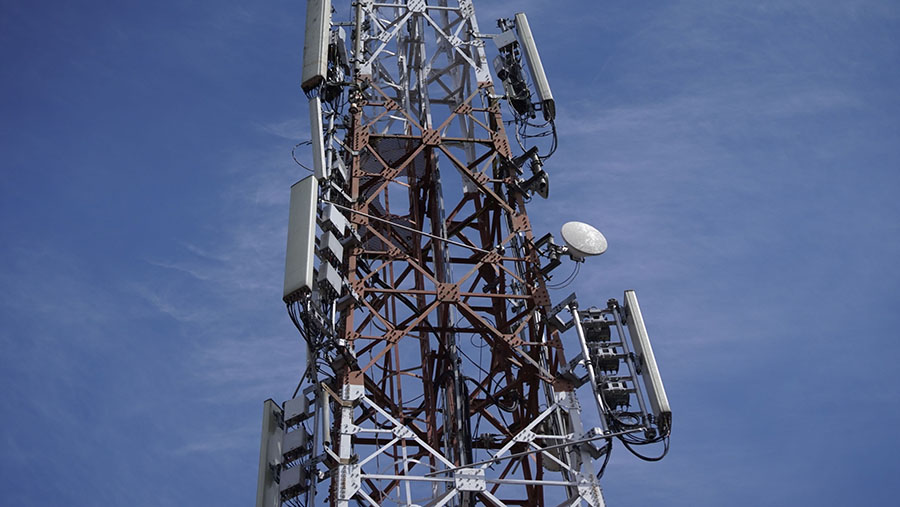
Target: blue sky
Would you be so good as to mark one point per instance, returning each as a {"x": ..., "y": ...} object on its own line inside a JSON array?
[{"x": 742, "y": 158}]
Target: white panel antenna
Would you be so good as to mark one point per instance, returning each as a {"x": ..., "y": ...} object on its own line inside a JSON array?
[
  {"x": 538, "y": 76},
  {"x": 315, "y": 47},
  {"x": 270, "y": 457},
  {"x": 659, "y": 402},
  {"x": 318, "y": 142},
  {"x": 298, "y": 262}
]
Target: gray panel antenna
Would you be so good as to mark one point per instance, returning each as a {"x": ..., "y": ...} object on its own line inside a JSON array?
[
  {"x": 315, "y": 47},
  {"x": 270, "y": 456},
  {"x": 659, "y": 402},
  {"x": 298, "y": 262},
  {"x": 538, "y": 76},
  {"x": 318, "y": 144}
]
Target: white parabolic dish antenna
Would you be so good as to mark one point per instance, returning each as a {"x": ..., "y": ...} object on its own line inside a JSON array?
[{"x": 582, "y": 239}]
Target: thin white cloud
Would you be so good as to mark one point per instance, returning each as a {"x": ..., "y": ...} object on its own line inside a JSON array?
[
  {"x": 293, "y": 129},
  {"x": 226, "y": 441}
]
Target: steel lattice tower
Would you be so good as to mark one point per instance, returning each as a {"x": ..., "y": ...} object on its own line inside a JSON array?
[{"x": 434, "y": 376}]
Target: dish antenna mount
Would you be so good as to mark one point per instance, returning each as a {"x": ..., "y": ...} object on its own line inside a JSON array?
[{"x": 581, "y": 240}]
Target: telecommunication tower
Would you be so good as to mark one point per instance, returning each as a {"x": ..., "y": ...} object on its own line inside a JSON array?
[{"x": 436, "y": 369}]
